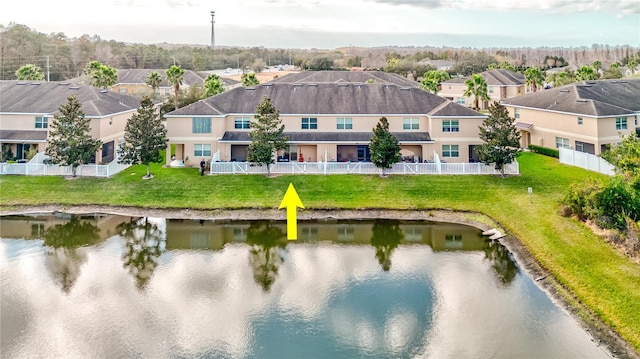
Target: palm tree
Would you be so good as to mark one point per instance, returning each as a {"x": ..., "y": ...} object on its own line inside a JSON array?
[
  {"x": 212, "y": 86},
  {"x": 154, "y": 80},
  {"x": 597, "y": 65},
  {"x": 29, "y": 72},
  {"x": 175, "y": 76},
  {"x": 431, "y": 80},
  {"x": 476, "y": 87},
  {"x": 586, "y": 73},
  {"x": 533, "y": 77}
]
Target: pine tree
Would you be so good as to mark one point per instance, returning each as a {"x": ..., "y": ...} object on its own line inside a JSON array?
[
  {"x": 69, "y": 141},
  {"x": 384, "y": 146},
  {"x": 266, "y": 135},
  {"x": 501, "y": 138},
  {"x": 144, "y": 136}
]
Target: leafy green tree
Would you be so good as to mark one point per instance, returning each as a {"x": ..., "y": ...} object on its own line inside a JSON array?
[
  {"x": 615, "y": 65},
  {"x": 102, "y": 76},
  {"x": 533, "y": 77},
  {"x": 506, "y": 66},
  {"x": 597, "y": 65},
  {"x": 501, "y": 138},
  {"x": 612, "y": 73},
  {"x": 249, "y": 80},
  {"x": 175, "y": 76},
  {"x": 432, "y": 79},
  {"x": 266, "y": 135},
  {"x": 384, "y": 146},
  {"x": 145, "y": 136},
  {"x": 29, "y": 72},
  {"x": 625, "y": 156},
  {"x": 476, "y": 87},
  {"x": 69, "y": 141},
  {"x": 154, "y": 80},
  {"x": 212, "y": 86},
  {"x": 632, "y": 65},
  {"x": 587, "y": 73},
  {"x": 561, "y": 78}
]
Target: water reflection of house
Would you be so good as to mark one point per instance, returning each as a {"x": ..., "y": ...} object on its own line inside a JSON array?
[
  {"x": 34, "y": 226},
  {"x": 194, "y": 234}
]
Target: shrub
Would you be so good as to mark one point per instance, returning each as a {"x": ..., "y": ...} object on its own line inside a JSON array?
[
  {"x": 580, "y": 199},
  {"x": 616, "y": 201},
  {"x": 551, "y": 152}
]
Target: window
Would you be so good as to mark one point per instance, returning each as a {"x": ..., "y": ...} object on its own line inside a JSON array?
[
  {"x": 460, "y": 101},
  {"x": 516, "y": 112},
  {"x": 490, "y": 89},
  {"x": 410, "y": 124},
  {"x": 344, "y": 123},
  {"x": 242, "y": 122},
  {"x": 562, "y": 142},
  {"x": 200, "y": 150},
  {"x": 450, "y": 126},
  {"x": 42, "y": 122},
  {"x": 621, "y": 123},
  {"x": 450, "y": 151},
  {"x": 580, "y": 121},
  {"x": 309, "y": 123},
  {"x": 201, "y": 125},
  {"x": 123, "y": 90}
]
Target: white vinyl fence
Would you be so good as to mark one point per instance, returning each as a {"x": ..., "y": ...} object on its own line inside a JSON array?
[
  {"x": 37, "y": 167},
  {"x": 586, "y": 161},
  {"x": 325, "y": 168}
]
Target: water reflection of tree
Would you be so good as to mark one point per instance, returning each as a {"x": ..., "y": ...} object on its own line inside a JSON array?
[
  {"x": 501, "y": 262},
  {"x": 63, "y": 241},
  {"x": 385, "y": 236},
  {"x": 265, "y": 257},
  {"x": 144, "y": 246}
]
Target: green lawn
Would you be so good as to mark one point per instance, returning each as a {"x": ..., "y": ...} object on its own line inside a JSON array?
[{"x": 604, "y": 281}]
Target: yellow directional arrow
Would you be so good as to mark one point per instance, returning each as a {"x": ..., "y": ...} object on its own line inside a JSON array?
[{"x": 291, "y": 201}]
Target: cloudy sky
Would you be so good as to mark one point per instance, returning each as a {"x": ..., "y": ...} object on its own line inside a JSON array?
[{"x": 329, "y": 24}]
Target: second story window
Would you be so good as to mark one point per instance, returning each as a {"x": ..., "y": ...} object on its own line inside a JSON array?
[
  {"x": 516, "y": 113},
  {"x": 242, "y": 122},
  {"x": 42, "y": 122},
  {"x": 621, "y": 123},
  {"x": 410, "y": 124},
  {"x": 580, "y": 121},
  {"x": 344, "y": 123},
  {"x": 450, "y": 126},
  {"x": 309, "y": 123},
  {"x": 201, "y": 125},
  {"x": 490, "y": 89}
]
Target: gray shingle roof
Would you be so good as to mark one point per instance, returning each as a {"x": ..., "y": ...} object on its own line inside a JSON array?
[
  {"x": 590, "y": 98},
  {"x": 46, "y": 97},
  {"x": 14, "y": 135},
  {"x": 191, "y": 78},
  {"x": 347, "y": 136},
  {"x": 378, "y": 77},
  {"x": 496, "y": 77},
  {"x": 328, "y": 99}
]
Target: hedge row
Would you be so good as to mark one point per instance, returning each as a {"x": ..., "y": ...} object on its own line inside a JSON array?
[{"x": 551, "y": 152}]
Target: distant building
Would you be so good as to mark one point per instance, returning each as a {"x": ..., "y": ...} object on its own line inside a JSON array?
[
  {"x": 134, "y": 82},
  {"x": 501, "y": 84},
  {"x": 442, "y": 65}
]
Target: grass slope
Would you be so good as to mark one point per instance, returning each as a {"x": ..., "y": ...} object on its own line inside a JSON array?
[{"x": 607, "y": 283}]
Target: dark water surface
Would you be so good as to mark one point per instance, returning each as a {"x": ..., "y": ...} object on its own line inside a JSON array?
[{"x": 106, "y": 286}]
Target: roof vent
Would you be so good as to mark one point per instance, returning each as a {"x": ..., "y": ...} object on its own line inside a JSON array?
[
  {"x": 103, "y": 91},
  {"x": 21, "y": 83},
  {"x": 74, "y": 87},
  {"x": 404, "y": 89},
  {"x": 252, "y": 88},
  {"x": 591, "y": 82},
  {"x": 267, "y": 85},
  {"x": 63, "y": 83},
  {"x": 297, "y": 85},
  {"x": 343, "y": 85},
  {"x": 567, "y": 91},
  {"x": 581, "y": 100},
  {"x": 35, "y": 83},
  {"x": 313, "y": 85}
]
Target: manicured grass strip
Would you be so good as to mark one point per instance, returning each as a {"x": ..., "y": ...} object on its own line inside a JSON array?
[{"x": 595, "y": 273}]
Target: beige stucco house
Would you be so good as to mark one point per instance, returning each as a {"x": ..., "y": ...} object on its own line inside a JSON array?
[
  {"x": 501, "y": 84},
  {"x": 27, "y": 109},
  {"x": 328, "y": 117},
  {"x": 585, "y": 116},
  {"x": 133, "y": 82}
]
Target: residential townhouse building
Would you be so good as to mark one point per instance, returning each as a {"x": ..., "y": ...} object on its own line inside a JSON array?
[
  {"x": 587, "y": 116},
  {"x": 27, "y": 109},
  {"x": 332, "y": 120},
  {"x": 501, "y": 85}
]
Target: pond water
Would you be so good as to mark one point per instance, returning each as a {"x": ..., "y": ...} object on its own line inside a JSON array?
[{"x": 106, "y": 286}]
